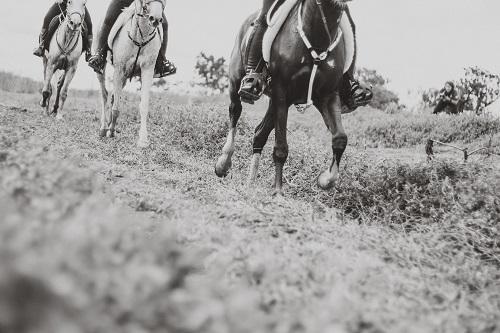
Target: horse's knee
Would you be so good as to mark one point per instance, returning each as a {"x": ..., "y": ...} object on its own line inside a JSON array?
[
  {"x": 280, "y": 154},
  {"x": 339, "y": 141}
]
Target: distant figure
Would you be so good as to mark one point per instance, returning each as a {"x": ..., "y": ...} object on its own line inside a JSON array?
[{"x": 448, "y": 99}]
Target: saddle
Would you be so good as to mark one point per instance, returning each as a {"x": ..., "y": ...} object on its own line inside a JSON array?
[{"x": 277, "y": 16}]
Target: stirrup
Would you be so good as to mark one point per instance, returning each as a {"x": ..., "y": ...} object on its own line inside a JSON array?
[{"x": 252, "y": 87}]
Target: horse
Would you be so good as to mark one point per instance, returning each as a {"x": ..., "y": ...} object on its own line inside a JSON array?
[
  {"x": 65, "y": 50},
  {"x": 313, "y": 22},
  {"x": 134, "y": 48}
]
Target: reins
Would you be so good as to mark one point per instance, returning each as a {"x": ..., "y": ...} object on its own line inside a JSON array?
[
  {"x": 317, "y": 58},
  {"x": 67, "y": 49}
]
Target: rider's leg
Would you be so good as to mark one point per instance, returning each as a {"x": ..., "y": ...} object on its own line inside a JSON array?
[
  {"x": 88, "y": 36},
  {"x": 54, "y": 10},
  {"x": 253, "y": 83},
  {"x": 98, "y": 60},
  {"x": 163, "y": 66},
  {"x": 359, "y": 94},
  {"x": 439, "y": 107}
]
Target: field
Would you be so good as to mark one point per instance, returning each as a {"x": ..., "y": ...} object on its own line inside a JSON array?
[{"x": 100, "y": 236}]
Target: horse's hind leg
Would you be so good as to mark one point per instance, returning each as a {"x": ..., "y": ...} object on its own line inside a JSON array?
[
  {"x": 60, "y": 84},
  {"x": 104, "y": 104},
  {"x": 224, "y": 162},
  {"x": 280, "y": 154},
  {"x": 119, "y": 83},
  {"x": 68, "y": 77},
  {"x": 47, "y": 86},
  {"x": 331, "y": 110},
  {"x": 262, "y": 132}
]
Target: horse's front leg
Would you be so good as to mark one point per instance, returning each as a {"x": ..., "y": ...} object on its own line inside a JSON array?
[
  {"x": 224, "y": 162},
  {"x": 259, "y": 141},
  {"x": 280, "y": 153},
  {"x": 70, "y": 74},
  {"x": 147, "y": 82},
  {"x": 331, "y": 110},
  {"x": 47, "y": 86}
]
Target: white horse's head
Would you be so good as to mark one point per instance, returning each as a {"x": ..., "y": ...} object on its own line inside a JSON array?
[
  {"x": 152, "y": 10},
  {"x": 75, "y": 12}
]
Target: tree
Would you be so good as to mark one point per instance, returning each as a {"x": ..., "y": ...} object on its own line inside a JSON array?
[
  {"x": 382, "y": 96},
  {"x": 213, "y": 72}
]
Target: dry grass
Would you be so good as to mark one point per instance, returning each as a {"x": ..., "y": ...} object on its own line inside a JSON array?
[{"x": 114, "y": 239}]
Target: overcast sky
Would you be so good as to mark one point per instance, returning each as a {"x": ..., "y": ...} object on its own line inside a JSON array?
[{"x": 418, "y": 43}]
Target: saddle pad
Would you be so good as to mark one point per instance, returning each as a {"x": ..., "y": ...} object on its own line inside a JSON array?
[{"x": 279, "y": 18}]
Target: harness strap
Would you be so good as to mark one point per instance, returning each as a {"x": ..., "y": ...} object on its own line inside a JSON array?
[{"x": 318, "y": 58}]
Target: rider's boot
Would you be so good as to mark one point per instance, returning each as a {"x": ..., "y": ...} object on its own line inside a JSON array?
[
  {"x": 87, "y": 46},
  {"x": 97, "y": 61},
  {"x": 40, "y": 50},
  {"x": 163, "y": 66},
  {"x": 359, "y": 94},
  {"x": 254, "y": 82}
]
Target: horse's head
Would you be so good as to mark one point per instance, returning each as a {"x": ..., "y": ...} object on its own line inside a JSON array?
[
  {"x": 152, "y": 10},
  {"x": 75, "y": 13}
]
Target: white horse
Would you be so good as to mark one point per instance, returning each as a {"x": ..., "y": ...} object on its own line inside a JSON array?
[
  {"x": 135, "y": 42},
  {"x": 65, "y": 50}
]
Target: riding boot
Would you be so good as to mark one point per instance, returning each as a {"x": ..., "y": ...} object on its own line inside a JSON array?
[
  {"x": 254, "y": 83},
  {"x": 163, "y": 66},
  {"x": 88, "y": 47},
  {"x": 40, "y": 51},
  {"x": 359, "y": 94}
]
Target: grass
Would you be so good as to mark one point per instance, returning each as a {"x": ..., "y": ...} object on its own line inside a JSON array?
[{"x": 110, "y": 238}]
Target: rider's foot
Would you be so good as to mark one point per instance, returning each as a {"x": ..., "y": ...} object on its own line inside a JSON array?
[
  {"x": 252, "y": 87},
  {"x": 40, "y": 50},
  {"x": 164, "y": 68},
  {"x": 98, "y": 61},
  {"x": 361, "y": 95}
]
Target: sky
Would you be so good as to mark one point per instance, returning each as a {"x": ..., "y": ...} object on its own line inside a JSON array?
[{"x": 415, "y": 43}]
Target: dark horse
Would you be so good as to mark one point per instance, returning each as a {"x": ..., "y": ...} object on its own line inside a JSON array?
[{"x": 290, "y": 67}]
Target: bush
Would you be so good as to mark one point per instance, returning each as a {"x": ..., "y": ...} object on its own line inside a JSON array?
[
  {"x": 406, "y": 129},
  {"x": 17, "y": 84}
]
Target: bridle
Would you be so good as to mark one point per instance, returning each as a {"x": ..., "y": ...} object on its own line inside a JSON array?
[
  {"x": 318, "y": 58},
  {"x": 70, "y": 43},
  {"x": 145, "y": 38}
]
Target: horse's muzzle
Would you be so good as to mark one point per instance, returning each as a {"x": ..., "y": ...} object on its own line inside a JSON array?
[{"x": 155, "y": 22}]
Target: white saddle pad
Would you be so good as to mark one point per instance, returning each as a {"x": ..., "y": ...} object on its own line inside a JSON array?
[{"x": 279, "y": 18}]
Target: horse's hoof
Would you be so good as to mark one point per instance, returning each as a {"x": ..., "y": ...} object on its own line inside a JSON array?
[
  {"x": 143, "y": 144},
  {"x": 222, "y": 167},
  {"x": 102, "y": 133},
  {"x": 110, "y": 134},
  {"x": 59, "y": 117},
  {"x": 278, "y": 193},
  {"x": 327, "y": 179}
]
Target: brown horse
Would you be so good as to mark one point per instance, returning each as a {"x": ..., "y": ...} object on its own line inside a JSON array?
[{"x": 291, "y": 66}]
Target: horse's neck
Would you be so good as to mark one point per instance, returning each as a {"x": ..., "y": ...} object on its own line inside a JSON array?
[
  {"x": 64, "y": 34},
  {"x": 313, "y": 23}
]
